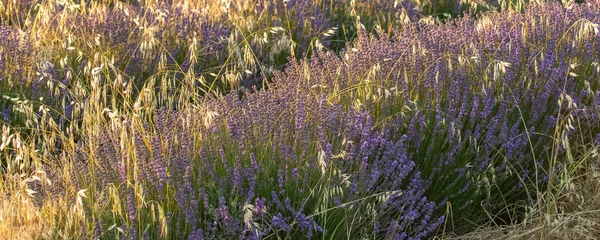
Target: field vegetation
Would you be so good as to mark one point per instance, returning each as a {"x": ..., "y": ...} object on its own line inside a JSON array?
[{"x": 299, "y": 119}]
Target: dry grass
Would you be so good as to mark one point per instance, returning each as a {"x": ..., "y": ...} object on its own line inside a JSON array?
[{"x": 573, "y": 213}]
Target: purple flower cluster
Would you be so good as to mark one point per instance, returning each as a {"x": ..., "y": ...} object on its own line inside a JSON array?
[
  {"x": 16, "y": 58},
  {"x": 468, "y": 97},
  {"x": 276, "y": 126},
  {"x": 390, "y": 130},
  {"x": 166, "y": 29},
  {"x": 268, "y": 153}
]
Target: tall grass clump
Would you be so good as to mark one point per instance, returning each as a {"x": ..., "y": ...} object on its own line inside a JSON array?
[
  {"x": 297, "y": 119},
  {"x": 569, "y": 208}
]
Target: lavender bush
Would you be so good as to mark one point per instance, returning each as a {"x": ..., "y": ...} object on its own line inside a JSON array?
[
  {"x": 476, "y": 107},
  {"x": 236, "y": 119},
  {"x": 297, "y": 169},
  {"x": 406, "y": 132}
]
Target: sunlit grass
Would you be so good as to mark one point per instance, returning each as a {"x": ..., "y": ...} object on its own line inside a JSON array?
[{"x": 147, "y": 119}]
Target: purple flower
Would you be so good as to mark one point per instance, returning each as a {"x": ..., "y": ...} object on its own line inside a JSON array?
[{"x": 278, "y": 222}]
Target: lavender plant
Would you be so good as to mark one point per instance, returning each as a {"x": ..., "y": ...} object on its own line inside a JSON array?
[
  {"x": 295, "y": 170},
  {"x": 152, "y": 122},
  {"x": 476, "y": 107}
]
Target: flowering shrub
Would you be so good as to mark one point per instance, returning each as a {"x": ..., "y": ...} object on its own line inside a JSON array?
[
  {"x": 297, "y": 168},
  {"x": 475, "y": 101},
  {"x": 390, "y": 131},
  {"x": 156, "y": 120}
]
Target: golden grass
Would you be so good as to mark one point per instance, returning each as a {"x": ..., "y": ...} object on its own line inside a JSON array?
[
  {"x": 20, "y": 216},
  {"x": 576, "y": 206}
]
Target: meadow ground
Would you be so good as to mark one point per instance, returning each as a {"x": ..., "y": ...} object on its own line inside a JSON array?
[{"x": 299, "y": 119}]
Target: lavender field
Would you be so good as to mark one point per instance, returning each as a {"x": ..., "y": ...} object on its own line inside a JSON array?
[{"x": 299, "y": 119}]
